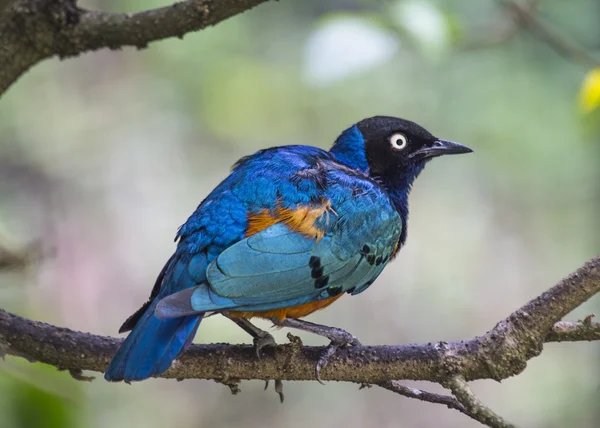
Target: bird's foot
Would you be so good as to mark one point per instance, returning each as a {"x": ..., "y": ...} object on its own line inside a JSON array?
[
  {"x": 263, "y": 340},
  {"x": 339, "y": 338}
]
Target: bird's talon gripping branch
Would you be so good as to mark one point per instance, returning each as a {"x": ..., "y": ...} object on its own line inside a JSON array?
[
  {"x": 342, "y": 340},
  {"x": 339, "y": 338},
  {"x": 260, "y": 338},
  {"x": 323, "y": 360},
  {"x": 264, "y": 341}
]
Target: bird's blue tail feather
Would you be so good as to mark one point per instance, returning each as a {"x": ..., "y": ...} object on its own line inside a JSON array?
[{"x": 151, "y": 346}]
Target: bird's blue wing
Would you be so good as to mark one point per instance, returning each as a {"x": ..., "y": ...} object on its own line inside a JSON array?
[{"x": 283, "y": 266}]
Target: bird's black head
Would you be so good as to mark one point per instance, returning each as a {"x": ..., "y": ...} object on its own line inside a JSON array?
[
  {"x": 394, "y": 145},
  {"x": 389, "y": 148}
]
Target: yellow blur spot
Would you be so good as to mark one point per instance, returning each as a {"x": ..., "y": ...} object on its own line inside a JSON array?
[{"x": 589, "y": 94}]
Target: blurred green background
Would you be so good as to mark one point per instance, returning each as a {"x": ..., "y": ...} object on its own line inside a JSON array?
[{"x": 104, "y": 156}]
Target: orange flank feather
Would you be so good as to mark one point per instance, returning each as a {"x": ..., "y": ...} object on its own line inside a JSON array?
[
  {"x": 291, "y": 312},
  {"x": 259, "y": 222},
  {"x": 301, "y": 220}
]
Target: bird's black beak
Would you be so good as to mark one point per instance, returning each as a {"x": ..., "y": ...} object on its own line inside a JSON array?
[{"x": 439, "y": 148}]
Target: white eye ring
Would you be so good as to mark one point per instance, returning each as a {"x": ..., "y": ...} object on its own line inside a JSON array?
[{"x": 398, "y": 141}]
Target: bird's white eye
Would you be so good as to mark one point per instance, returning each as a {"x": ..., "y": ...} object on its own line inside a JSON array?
[{"x": 398, "y": 141}]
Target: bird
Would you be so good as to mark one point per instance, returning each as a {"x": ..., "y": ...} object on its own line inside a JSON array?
[{"x": 291, "y": 230}]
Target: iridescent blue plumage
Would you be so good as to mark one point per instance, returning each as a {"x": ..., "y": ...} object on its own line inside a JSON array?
[{"x": 288, "y": 228}]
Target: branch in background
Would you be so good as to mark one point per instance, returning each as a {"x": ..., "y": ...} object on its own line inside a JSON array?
[
  {"x": 498, "y": 354},
  {"x": 526, "y": 17},
  {"x": 11, "y": 260},
  {"x": 32, "y": 30},
  {"x": 500, "y": 31},
  {"x": 20, "y": 259}
]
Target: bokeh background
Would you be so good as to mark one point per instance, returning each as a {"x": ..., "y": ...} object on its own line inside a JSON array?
[{"x": 103, "y": 157}]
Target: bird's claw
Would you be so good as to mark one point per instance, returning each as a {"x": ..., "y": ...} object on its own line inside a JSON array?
[
  {"x": 339, "y": 339},
  {"x": 262, "y": 342},
  {"x": 278, "y": 388},
  {"x": 323, "y": 360}
]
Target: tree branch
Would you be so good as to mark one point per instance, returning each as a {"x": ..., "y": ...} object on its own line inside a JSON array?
[
  {"x": 526, "y": 17},
  {"x": 11, "y": 259},
  {"x": 500, "y": 353},
  {"x": 474, "y": 406},
  {"x": 446, "y": 400},
  {"x": 564, "y": 331},
  {"x": 501, "y": 30},
  {"x": 32, "y": 30}
]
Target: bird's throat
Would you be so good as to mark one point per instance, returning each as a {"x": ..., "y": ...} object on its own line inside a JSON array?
[{"x": 398, "y": 186}]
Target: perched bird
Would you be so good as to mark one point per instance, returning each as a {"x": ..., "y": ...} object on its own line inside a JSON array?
[{"x": 288, "y": 232}]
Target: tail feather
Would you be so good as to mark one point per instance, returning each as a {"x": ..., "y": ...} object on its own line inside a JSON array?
[{"x": 151, "y": 346}]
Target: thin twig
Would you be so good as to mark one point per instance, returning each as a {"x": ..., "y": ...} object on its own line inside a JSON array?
[
  {"x": 430, "y": 397},
  {"x": 459, "y": 387},
  {"x": 565, "y": 331}
]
